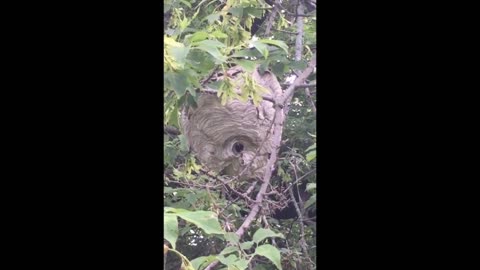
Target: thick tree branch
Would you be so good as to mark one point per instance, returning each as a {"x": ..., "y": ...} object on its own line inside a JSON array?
[{"x": 277, "y": 137}]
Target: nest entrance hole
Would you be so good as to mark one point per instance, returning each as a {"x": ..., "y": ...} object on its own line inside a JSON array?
[{"x": 237, "y": 148}]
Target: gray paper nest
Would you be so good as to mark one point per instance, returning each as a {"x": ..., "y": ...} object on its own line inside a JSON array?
[{"x": 227, "y": 138}]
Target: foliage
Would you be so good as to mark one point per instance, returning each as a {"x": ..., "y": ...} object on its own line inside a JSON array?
[{"x": 203, "y": 209}]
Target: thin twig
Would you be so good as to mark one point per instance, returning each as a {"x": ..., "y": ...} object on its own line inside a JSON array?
[
  {"x": 298, "y": 190},
  {"x": 298, "y": 180},
  {"x": 210, "y": 76},
  {"x": 300, "y": 85},
  {"x": 302, "y": 229},
  {"x": 307, "y": 92}
]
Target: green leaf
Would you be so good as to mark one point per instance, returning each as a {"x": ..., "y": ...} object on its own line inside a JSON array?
[
  {"x": 209, "y": 43},
  {"x": 179, "y": 54},
  {"x": 277, "y": 43},
  {"x": 247, "y": 65},
  {"x": 201, "y": 61},
  {"x": 246, "y": 245},
  {"x": 178, "y": 81},
  {"x": 311, "y": 155},
  {"x": 237, "y": 11},
  {"x": 271, "y": 253},
  {"x": 241, "y": 264},
  {"x": 205, "y": 220},
  {"x": 232, "y": 238},
  {"x": 186, "y": 3},
  {"x": 261, "y": 47},
  {"x": 173, "y": 120},
  {"x": 249, "y": 22},
  {"x": 313, "y": 146},
  {"x": 228, "y": 260},
  {"x": 183, "y": 143},
  {"x": 246, "y": 53},
  {"x": 253, "y": 11},
  {"x": 263, "y": 66},
  {"x": 212, "y": 18},
  {"x": 279, "y": 68},
  {"x": 202, "y": 262},
  {"x": 170, "y": 230},
  {"x": 262, "y": 233},
  {"x": 198, "y": 36},
  {"x": 228, "y": 250},
  {"x": 312, "y": 200},
  {"x": 219, "y": 34},
  {"x": 298, "y": 65},
  {"x": 211, "y": 47},
  {"x": 311, "y": 186},
  {"x": 192, "y": 100}
]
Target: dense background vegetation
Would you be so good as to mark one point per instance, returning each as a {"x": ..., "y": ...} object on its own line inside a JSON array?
[{"x": 204, "y": 211}]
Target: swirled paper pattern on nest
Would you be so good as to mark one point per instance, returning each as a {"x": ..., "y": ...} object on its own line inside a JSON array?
[{"x": 226, "y": 138}]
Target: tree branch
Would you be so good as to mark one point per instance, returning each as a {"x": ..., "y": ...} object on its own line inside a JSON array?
[
  {"x": 302, "y": 229},
  {"x": 307, "y": 92},
  {"x": 271, "y": 18},
  {"x": 300, "y": 85},
  {"x": 299, "y": 39},
  {"x": 298, "y": 45},
  {"x": 303, "y": 76},
  {"x": 277, "y": 137}
]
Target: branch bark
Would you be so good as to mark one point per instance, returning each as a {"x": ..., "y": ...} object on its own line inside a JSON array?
[
  {"x": 302, "y": 229},
  {"x": 307, "y": 92},
  {"x": 271, "y": 18},
  {"x": 300, "y": 85},
  {"x": 299, "y": 39},
  {"x": 298, "y": 44},
  {"x": 300, "y": 79}
]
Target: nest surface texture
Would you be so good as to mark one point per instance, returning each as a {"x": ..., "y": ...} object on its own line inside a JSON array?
[{"x": 234, "y": 138}]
